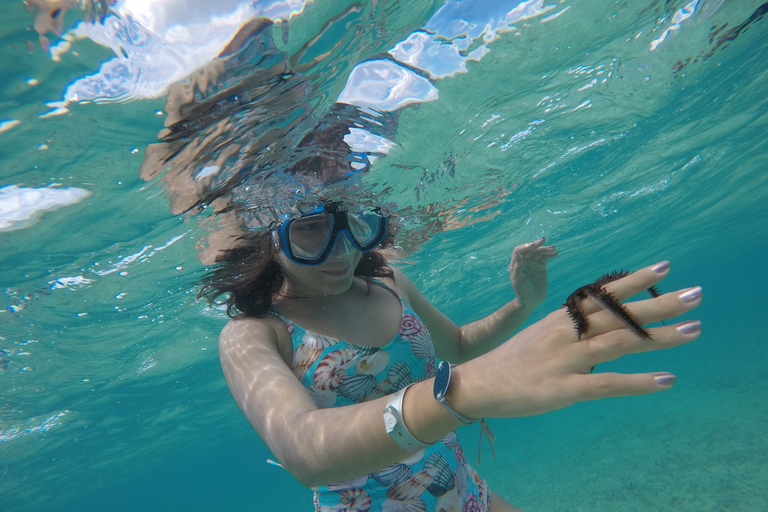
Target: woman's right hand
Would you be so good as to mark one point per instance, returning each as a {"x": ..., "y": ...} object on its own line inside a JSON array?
[{"x": 546, "y": 367}]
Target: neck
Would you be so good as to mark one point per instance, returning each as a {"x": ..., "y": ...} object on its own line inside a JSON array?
[{"x": 290, "y": 292}]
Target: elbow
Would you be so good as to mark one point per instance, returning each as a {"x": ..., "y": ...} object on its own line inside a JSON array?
[
  {"x": 300, "y": 473},
  {"x": 306, "y": 461},
  {"x": 307, "y": 474},
  {"x": 311, "y": 480},
  {"x": 313, "y": 460},
  {"x": 314, "y": 467}
]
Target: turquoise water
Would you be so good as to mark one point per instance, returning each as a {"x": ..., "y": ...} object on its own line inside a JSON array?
[{"x": 579, "y": 124}]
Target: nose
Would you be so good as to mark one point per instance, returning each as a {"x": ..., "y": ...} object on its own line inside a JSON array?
[{"x": 341, "y": 246}]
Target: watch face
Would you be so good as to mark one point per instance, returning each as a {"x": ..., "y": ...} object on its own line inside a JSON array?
[{"x": 442, "y": 379}]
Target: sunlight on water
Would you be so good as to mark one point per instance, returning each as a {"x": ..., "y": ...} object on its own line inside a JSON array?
[{"x": 623, "y": 132}]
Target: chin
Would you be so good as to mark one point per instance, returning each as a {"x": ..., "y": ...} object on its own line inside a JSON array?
[
  {"x": 338, "y": 284},
  {"x": 337, "y": 280}
]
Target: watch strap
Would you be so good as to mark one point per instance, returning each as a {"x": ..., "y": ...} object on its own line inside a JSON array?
[{"x": 395, "y": 425}]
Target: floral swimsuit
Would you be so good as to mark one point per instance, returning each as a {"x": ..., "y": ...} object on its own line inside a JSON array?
[{"x": 338, "y": 373}]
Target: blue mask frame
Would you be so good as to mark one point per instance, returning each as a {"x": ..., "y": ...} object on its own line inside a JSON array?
[{"x": 339, "y": 224}]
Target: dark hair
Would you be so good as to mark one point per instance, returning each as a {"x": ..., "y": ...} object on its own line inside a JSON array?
[
  {"x": 251, "y": 276},
  {"x": 328, "y": 154}
]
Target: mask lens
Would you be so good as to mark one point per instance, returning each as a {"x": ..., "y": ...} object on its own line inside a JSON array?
[
  {"x": 365, "y": 227},
  {"x": 309, "y": 235}
]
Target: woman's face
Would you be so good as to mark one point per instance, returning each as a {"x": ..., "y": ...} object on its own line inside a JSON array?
[{"x": 332, "y": 277}]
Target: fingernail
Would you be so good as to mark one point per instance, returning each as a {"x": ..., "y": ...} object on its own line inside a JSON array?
[
  {"x": 660, "y": 267},
  {"x": 665, "y": 380},
  {"x": 691, "y": 295},
  {"x": 689, "y": 327}
]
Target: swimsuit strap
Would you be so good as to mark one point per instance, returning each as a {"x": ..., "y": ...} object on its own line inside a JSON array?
[
  {"x": 274, "y": 312},
  {"x": 380, "y": 283}
]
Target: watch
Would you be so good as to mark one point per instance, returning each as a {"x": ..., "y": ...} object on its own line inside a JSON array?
[{"x": 440, "y": 389}]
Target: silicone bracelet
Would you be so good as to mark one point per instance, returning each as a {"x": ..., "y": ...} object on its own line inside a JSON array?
[{"x": 395, "y": 425}]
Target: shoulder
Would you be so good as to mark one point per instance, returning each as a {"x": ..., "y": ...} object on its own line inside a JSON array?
[
  {"x": 247, "y": 327},
  {"x": 243, "y": 335},
  {"x": 403, "y": 286}
]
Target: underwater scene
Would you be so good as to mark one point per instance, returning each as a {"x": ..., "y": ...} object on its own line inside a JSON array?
[{"x": 137, "y": 139}]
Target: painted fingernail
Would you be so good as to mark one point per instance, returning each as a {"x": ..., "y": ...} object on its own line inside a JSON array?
[
  {"x": 689, "y": 327},
  {"x": 665, "y": 380},
  {"x": 691, "y": 295},
  {"x": 660, "y": 267}
]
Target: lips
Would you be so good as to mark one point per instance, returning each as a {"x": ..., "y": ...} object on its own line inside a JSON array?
[{"x": 336, "y": 272}]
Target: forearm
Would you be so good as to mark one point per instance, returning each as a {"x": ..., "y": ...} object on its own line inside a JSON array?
[
  {"x": 318, "y": 446},
  {"x": 326, "y": 446},
  {"x": 481, "y": 336}
]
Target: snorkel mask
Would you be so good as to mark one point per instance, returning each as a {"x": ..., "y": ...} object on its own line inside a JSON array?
[{"x": 309, "y": 239}]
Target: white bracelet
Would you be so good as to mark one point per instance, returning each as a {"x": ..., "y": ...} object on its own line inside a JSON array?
[{"x": 395, "y": 425}]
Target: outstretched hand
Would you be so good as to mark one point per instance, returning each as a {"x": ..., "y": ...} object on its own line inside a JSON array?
[
  {"x": 528, "y": 272},
  {"x": 546, "y": 367}
]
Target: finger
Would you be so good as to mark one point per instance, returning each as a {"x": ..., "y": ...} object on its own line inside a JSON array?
[
  {"x": 544, "y": 253},
  {"x": 614, "y": 344},
  {"x": 604, "y": 385},
  {"x": 527, "y": 249},
  {"x": 537, "y": 259},
  {"x": 646, "y": 311},
  {"x": 631, "y": 285}
]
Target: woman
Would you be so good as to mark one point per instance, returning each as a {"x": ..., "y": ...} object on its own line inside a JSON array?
[{"x": 358, "y": 420}]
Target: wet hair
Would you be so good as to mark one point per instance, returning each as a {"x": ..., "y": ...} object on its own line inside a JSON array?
[
  {"x": 328, "y": 157},
  {"x": 251, "y": 277}
]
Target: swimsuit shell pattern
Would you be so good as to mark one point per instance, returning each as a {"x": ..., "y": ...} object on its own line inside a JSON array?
[{"x": 338, "y": 373}]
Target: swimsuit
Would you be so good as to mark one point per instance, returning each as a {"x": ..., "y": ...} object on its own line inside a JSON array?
[{"x": 338, "y": 373}]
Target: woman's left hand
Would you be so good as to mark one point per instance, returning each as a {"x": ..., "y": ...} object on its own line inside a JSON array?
[{"x": 528, "y": 272}]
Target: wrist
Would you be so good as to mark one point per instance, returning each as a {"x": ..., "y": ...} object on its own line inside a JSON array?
[
  {"x": 526, "y": 307},
  {"x": 424, "y": 416},
  {"x": 459, "y": 394},
  {"x": 443, "y": 381},
  {"x": 442, "y": 384}
]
